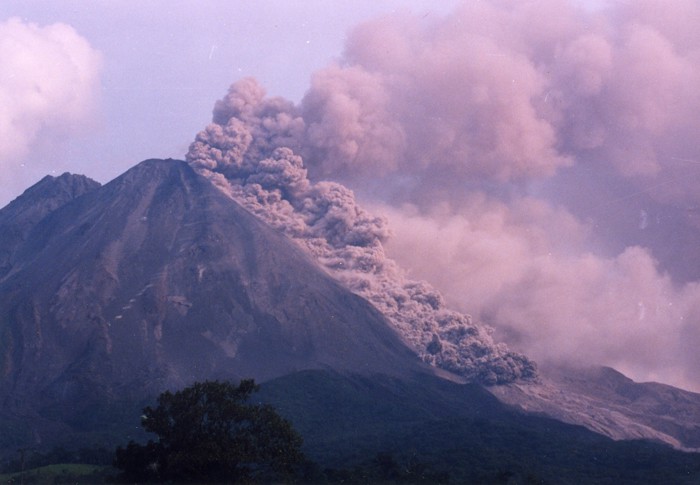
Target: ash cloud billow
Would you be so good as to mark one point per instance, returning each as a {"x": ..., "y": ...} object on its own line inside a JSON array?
[
  {"x": 537, "y": 162},
  {"x": 501, "y": 92},
  {"x": 245, "y": 152}
]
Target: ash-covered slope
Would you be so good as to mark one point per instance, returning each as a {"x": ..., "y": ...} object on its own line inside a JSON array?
[
  {"x": 157, "y": 279},
  {"x": 604, "y": 400}
]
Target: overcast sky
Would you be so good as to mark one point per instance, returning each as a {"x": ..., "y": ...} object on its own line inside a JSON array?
[{"x": 539, "y": 162}]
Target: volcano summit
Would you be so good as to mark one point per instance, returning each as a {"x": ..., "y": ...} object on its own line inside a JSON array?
[{"x": 158, "y": 279}]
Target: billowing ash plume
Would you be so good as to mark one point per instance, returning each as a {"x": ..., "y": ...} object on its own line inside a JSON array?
[
  {"x": 249, "y": 151},
  {"x": 502, "y": 92},
  {"x": 539, "y": 164}
]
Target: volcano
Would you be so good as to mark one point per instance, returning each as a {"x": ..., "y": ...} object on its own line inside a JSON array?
[
  {"x": 156, "y": 280},
  {"x": 111, "y": 294}
]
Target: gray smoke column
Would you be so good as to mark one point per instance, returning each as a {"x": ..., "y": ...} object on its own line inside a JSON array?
[{"x": 248, "y": 151}]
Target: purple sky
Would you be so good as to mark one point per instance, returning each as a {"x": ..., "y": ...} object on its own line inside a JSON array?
[{"x": 538, "y": 162}]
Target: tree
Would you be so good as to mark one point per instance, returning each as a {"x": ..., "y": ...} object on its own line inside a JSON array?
[{"x": 209, "y": 432}]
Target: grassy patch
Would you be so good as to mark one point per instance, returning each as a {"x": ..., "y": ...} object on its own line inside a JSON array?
[{"x": 60, "y": 473}]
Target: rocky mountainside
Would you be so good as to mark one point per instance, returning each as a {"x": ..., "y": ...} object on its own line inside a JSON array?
[
  {"x": 19, "y": 217},
  {"x": 156, "y": 280}
]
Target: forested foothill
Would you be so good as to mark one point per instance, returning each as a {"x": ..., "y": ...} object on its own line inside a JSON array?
[{"x": 324, "y": 427}]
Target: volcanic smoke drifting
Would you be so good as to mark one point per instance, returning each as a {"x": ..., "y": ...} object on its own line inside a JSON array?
[
  {"x": 539, "y": 164},
  {"x": 245, "y": 151}
]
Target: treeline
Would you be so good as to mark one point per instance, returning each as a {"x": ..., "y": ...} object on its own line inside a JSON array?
[
  {"x": 211, "y": 432},
  {"x": 384, "y": 468}
]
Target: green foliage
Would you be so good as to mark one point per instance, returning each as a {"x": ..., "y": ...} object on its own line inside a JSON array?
[{"x": 209, "y": 432}]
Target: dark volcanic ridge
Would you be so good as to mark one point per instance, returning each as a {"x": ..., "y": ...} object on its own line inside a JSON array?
[{"x": 23, "y": 213}]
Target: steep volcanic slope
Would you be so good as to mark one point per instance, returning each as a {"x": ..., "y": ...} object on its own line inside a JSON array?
[
  {"x": 23, "y": 213},
  {"x": 156, "y": 280}
]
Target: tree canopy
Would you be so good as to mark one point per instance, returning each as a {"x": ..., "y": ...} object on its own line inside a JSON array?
[{"x": 208, "y": 431}]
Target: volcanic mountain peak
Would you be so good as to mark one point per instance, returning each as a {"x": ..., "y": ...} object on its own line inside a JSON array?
[
  {"x": 157, "y": 279},
  {"x": 60, "y": 190},
  {"x": 19, "y": 217}
]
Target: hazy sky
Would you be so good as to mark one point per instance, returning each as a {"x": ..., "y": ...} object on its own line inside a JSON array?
[
  {"x": 159, "y": 67},
  {"x": 538, "y": 162}
]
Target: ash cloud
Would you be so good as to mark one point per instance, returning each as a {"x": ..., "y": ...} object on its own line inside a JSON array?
[
  {"x": 538, "y": 163},
  {"x": 546, "y": 176},
  {"x": 501, "y": 92},
  {"x": 48, "y": 88},
  {"x": 244, "y": 152}
]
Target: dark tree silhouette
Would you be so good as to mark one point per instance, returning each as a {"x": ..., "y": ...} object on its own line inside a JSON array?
[{"x": 209, "y": 432}]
